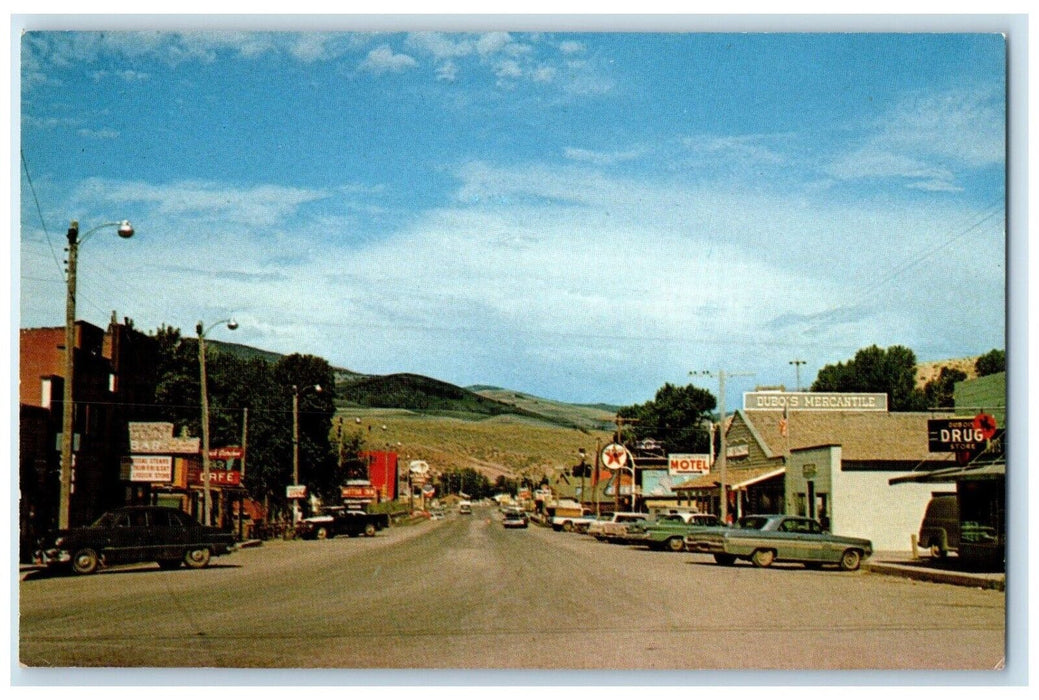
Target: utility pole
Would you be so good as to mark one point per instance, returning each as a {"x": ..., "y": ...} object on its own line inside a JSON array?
[
  {"x": 797, "y": 367},
  {"x": 245, "y": 438},
  {"x": 723, "y": 488},
  {"x": 67, "y": 416}
]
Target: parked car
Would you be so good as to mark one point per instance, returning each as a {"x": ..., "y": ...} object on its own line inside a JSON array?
[
  {"x": 133, "y": 534},
  {"x": 669, "y": 531},
  {"x": 337, "y": 520},
  {"x": 465, "y": 508},
  {"x": 514, "y": 517},
  {"x": 763, "y": 539},
  {"x": 615, "y": 530},
  {"x": 940, "y": 528}
]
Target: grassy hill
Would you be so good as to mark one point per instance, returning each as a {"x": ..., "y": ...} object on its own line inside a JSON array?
[
  {"x": 508, "y": 445},
  {"x": 594, "y": 417}
]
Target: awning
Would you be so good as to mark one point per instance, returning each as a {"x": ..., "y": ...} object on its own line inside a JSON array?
[
  {"x": 736, "y": 479},
  {"x": 980, "y": 473}
]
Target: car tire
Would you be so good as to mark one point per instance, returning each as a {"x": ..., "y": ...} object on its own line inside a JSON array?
[
  {"x": 568, "y": 526},
  {"x": 169, "y": 564},
  {"x": 197, "y": 558},
  {"x": 725, "y": 559},
  {"x": 85, "y": 561},
  {"x": 763, "y": 558},
  {"x": 676, "y": 544},
  {"x": 321, "y": 533},
  {"x": 850, "y": 560},
  {"x": 369, "y": 530}
]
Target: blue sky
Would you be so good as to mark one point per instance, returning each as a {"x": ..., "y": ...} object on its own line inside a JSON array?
[{"x": 582, "y": 216}]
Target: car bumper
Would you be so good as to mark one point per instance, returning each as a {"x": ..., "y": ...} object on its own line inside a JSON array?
[
  {"x": 705, "y": 547},
  {"x": 51, "y": 557}
]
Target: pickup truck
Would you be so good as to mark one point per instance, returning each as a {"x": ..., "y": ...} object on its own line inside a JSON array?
[
  {"x": 615, "y": 529},
  {"x": 669, "y": 531},
  {"x": 337, "y": 520},
  {"x": 763, "y": 539},
  {"x": 569, "y": 523}
]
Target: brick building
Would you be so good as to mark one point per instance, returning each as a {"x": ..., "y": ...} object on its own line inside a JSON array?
[{"x": 114, "y": 383}]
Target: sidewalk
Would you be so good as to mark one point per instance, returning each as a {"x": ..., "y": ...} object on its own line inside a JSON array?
[{"x": 925, "y": 568}]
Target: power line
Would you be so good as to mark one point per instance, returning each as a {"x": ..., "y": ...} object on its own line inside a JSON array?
[{"x": 39, "y": 212}]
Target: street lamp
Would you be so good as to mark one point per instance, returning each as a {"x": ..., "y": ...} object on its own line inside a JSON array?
[
  {"x": 296, "y": 391},
  {"x": 207, "y": 506},
  {"x": 65, "y": 491}
]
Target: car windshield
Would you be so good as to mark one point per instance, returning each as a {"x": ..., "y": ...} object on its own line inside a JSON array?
[{"x": 106, "y": 520}]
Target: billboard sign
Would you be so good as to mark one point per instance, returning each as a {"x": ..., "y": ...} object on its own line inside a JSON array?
[
  {"x": 156, "y": 469},
  {"x": 661, "y": 482},
  {"x": 294, "y": 491},
  {"x": 813, "y": 401},
  {"x": 688, "y": 464}
]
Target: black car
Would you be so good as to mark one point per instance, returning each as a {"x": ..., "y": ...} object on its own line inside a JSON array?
[
  {"x": 135, "y": 534},
  {"x": 336, "y": 520}
]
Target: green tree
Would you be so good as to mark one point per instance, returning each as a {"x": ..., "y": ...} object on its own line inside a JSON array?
[
  {"x": 939, "y": 391},
  {"x": 873, "y": 369},
  {"x": 318, "y": 461},
  {"x": 992, "y": 362},
  {"x": 675, "y": 417}
]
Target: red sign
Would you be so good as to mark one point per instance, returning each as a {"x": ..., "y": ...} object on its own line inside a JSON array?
[
  {"x": 359, "y": 493},
  {"x": 614, "y": 456},
  {"x": 226, "y": 453},
  {"x": 986, "y": 425},
  {"x": 217, "y": 477}
]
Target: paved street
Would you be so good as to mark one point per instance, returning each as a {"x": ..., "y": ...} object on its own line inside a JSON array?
[{"x": 464, "y": 593}]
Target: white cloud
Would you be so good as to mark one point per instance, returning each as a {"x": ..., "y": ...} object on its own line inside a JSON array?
[
  {"x": 602, "y": 157},
  {"x": 492, "y": 42},
  {"x": 100, "y": 134},
  {"x": 751, "y": 149},
  {"x": 447, "y": 71},
  {"x": 571, "y": 47},
  {"x": 261, "y": 205},
  {"x": 441, "y": 46},
  {"x": 929, "y": 141},
  {"x": 382, "y": 59}
]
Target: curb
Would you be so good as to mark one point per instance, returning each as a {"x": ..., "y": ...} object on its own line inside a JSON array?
[{"x": 956, "y": 578}]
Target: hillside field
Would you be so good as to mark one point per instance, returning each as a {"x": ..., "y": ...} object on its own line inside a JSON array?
[{"x": 508, "y": 445}]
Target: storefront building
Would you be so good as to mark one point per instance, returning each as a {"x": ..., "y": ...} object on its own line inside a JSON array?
[{"x": 825, "y": 456}]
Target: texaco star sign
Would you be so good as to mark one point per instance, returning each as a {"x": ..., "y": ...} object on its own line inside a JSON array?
[{"x": 614, "y": 456}]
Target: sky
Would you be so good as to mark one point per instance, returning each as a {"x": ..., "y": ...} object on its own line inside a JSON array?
[{"x": 579, "y": 215}]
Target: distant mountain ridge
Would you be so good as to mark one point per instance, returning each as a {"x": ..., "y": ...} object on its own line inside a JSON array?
[{"x": 423, "y": 394}]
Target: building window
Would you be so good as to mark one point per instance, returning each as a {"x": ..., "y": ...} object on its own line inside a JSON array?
[{"x": 45, "y": 393}]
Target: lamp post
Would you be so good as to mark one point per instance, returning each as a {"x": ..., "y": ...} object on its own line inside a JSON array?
[
  {"x": 797, "y": 368},
  {"x": 207, "y": 503},
  {"x": 296, "y": 391},
  {"x": 65, "y": 488}
]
